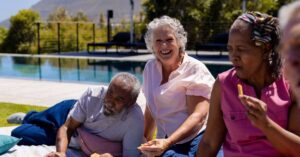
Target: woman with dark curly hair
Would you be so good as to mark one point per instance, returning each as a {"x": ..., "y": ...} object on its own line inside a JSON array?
[{"x": 251, "y": 100}]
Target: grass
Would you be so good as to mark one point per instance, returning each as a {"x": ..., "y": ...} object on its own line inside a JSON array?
[{"x": 7, "y": 109}]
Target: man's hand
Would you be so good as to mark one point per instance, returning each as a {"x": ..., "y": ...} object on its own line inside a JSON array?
[
  {"x": 256, "y": 111},
  {"x": 56, "y": 154},
  {"x": 155, "y": 147}
]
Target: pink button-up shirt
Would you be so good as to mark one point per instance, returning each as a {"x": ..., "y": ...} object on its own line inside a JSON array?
[
  {"x": 167, "y": 102},
  {"x": 242, "y": 138}
]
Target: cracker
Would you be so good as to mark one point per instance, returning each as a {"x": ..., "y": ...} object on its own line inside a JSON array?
[{"x": 240, "y": 89}]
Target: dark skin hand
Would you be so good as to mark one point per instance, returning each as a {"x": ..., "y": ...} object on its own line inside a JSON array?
[
  {"x": 63, "y": 137},
  {"x": 285, "y": 141}
]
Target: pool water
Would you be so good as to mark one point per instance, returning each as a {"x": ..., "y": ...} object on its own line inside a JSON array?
[{"x": 75, "y": 70}]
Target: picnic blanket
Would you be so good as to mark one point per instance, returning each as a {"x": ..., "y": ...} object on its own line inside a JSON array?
[{"x": 21, "y": 151}]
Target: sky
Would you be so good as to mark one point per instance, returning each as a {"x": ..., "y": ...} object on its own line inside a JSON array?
[{"x": 11, "y": 7}]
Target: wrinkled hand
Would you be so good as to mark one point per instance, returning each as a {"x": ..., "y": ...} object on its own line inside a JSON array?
[
  {"x": 154, "y": 147},
  {"x": 256, "y": 111},
  {"x": 56, "y": 154}
]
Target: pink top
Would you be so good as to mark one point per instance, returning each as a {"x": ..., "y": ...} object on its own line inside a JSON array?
[
  {"x": 167, "y": 102},
  {"x": 242, "y": 138}
]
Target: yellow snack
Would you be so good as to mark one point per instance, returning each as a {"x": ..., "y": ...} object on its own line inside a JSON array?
[
  {"x": 95, "y": 155},
  {"x": 240, "y": 89}
]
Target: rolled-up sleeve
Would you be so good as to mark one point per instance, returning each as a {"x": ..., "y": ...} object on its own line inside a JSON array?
[
  {"x": 79, "y": 113},
  {"x": 201, "y": 82}
]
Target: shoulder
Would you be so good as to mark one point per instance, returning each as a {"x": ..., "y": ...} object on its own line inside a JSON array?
[
  {"x": 96, "y": 91},
  {"x": 226, "y": 76},
  {"x": 92, "y": 96},
  {"x": 150, "y": 72},
  {"x": 194, "y": 65},
  {"x": 195, "y": 68},
  {"x": 135, "y": 114},
  {"x": 191, "y": 61},
  {"x": 150, "y": 63},
  {"x": 136, "y": 111}
]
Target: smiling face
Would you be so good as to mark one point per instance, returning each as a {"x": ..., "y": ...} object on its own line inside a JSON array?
[
  {"x": 166, "y": 46},
  {"x": 291, "y": 57},
  {"x": 247, "y": 59},
  {"x": 118, "y": 97}
]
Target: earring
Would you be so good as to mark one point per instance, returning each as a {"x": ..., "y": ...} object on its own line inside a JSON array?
[{"x": 270, "y": 57}]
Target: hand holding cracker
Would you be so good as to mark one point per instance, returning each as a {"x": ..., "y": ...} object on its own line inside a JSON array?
[{"x": 240, "y": 89}]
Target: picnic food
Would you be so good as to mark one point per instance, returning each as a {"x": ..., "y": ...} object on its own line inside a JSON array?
[
  {"x": 240, "y": 89},
  {"x": 95, "y": 155}
]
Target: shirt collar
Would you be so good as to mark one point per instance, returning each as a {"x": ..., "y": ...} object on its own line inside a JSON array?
[{"x": 179, "y": 70}]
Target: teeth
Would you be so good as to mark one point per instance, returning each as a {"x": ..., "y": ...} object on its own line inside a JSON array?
[{"x": 165, "y": 52}]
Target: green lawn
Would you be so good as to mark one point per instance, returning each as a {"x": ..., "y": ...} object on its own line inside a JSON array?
[{"x": 7, "y": 109}]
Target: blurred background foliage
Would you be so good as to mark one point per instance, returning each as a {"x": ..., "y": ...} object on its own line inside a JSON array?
[{"x": 202, "y": 19}]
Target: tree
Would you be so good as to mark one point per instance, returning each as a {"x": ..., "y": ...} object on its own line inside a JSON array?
[
  {"x": 3, "y": 34},
  {"x": 189, "y": 12},
  {"x": 21, "y": 34},
  {"x": 60, "y": 14},
  {"x": 80, "y": 17},
  {"x": 203, "y": 19}
]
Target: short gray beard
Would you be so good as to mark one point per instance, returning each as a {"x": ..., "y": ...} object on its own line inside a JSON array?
[{"x": 108, "y": 112}]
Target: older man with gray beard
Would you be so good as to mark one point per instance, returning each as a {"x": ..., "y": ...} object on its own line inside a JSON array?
[{"x": 111, "y": 114}]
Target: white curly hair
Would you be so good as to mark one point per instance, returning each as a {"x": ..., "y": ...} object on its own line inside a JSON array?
[
  {"x": 174, "y": 24},
  {"x": 287, "y": 12}
]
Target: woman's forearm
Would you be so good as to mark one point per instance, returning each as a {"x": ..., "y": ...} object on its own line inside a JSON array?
[
  {"x": 205, "y": 149},
  {"x": 284, "y": 141},
  {"x": 149, "y": 125},
  {"x": 197, "y": 107},
  {"x": 190, "y": 126}
]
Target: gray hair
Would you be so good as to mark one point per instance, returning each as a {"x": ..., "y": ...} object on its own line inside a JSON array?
[
  {"x": 287, "y": 12},
  {"x": 174, "y": 24},
  {"x": 131, "y": 81}
]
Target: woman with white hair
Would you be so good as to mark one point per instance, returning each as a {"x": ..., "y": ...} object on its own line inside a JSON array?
[{"x": 177, "y": 88}]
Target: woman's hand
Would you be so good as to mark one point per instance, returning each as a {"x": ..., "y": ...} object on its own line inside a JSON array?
[
  {"x": 155, "y": 147},
  {"x": 256, "y": 111}
]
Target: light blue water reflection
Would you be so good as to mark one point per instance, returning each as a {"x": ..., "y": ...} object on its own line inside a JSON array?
[
  {"x": 75, "y": 70},
  {"x": 67, "y": 70}
]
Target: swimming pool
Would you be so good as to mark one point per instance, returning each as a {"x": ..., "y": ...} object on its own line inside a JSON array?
[{"x": 75, "y": 70}]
